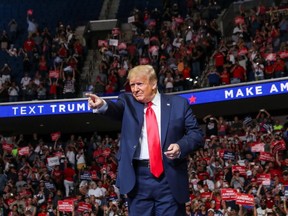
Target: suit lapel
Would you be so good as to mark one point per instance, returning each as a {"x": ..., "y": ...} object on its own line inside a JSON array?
[
  {"x": 165, "y": 116},
  {"x": 140, "y": 114}
]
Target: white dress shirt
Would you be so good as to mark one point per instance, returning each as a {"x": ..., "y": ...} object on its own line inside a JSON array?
[{"x": 142, "y": 152}]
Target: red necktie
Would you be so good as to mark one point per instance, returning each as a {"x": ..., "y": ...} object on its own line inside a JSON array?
[{"x": 155, "y": 155}]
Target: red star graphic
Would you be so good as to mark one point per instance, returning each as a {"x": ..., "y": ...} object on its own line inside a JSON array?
[{"x": 192, "y": 99}]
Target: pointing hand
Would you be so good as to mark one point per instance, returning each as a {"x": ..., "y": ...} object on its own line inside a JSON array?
[{"x": 94, "y": 101}]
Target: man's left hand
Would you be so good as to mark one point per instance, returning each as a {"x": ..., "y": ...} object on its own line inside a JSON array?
[{"x": 173, "y": 151}]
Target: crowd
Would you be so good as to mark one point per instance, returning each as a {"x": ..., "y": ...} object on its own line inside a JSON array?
[
  {"x": 45, "y": 66},
  {"x": 177, "y": 46},
  {"x": 190, "y": 51},
  {"x": 45, "y": 174},
  {"x": 182, "y": 49},
  {"x": 256, "y": 50},
  {"x": 38, "y": 172}
]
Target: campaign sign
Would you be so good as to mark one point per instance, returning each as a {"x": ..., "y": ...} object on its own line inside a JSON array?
[
  {"x": 241, "y": 162},
  {"x": 53, "y": 161},
  {"x": 23, "y": 151},
  {"x": 266, "y": 156},
  {"x": 229, "y": 155},
  {"x": 85, "y": 176},
  {"x": 66, "y": 205},
  {"x": 241, "y": 169},
  {"x": 270, "y": 57},
  {"x": 113, "y": 42},
  {"x": 54, "y": 74},
  {"x": 228, "y": 194},
  {"x": 131, "y": 19},
  {"x": 221, "y": 152},
  {"x": 264, "y": 179},
  {"x": 283, "y": 54},
  {"x": 278, "y": 145},
  {"x": 245, "y": 199},
  {"x": 258, "y": 147},
  {"x": 82, "y": 206}
]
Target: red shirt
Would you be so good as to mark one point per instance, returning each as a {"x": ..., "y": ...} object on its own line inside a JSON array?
[
  {"x": 269, "y": 202},
  {"x": 132, "y": 50},
  {"x": 69, "y": 174},
  {"x": 29, "y": 44},
  {"x": 279, "y": 65},
  {"x": 219, "y": 59},
  {"x": 206, "y": 194},
  {"x": 269, "y": 69},
  {"x": 110, "y": 88},
  {"x": 57, "y": 174},
  {"x": 43, "y": 65},
  {"x": 239, "y": 72},
  {"x": 53, "y": 89},
  {"x": 63, "y": 52},
  {"x": 186, "y": 73},
  {"x": 225, "y": 77}
]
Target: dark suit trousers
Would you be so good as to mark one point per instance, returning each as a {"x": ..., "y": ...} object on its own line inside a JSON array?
[{"x": 152, "y": 196}]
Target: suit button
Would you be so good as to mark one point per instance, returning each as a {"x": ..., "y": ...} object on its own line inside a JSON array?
[{"x": 134, "y": 146}]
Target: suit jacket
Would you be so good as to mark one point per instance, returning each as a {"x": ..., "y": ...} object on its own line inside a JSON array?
[{"x": 178, "y": 125}]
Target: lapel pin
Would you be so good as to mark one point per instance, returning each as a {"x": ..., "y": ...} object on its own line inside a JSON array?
[{"x": 168, "y": 104}]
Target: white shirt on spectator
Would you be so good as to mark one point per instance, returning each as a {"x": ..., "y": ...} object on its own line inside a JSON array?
[
  {"x": 188, "y": 36},
  {"x": 210, "y": 184},
  {"x": 13, "y": 91},
  {"x": 71, "y": 157},
  {"x": 177, "y": 42},
  {"x": 80, "y": 158},
  {"x": 25, "y": 81},
  {"x": 260, "y": 211},
  {"x": 103, "y": 190},
  {"x": 37, "y": 81},
  {"x": 97, "y": 192}
]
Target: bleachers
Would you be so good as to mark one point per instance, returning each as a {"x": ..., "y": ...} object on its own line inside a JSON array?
[
  {"x": 127, "y": 6},
  {"x": 49, "y": 12},
  {"x": 46, "y": 13}
]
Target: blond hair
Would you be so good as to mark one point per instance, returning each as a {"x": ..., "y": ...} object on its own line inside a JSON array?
[{"x": 143, "y": 70}]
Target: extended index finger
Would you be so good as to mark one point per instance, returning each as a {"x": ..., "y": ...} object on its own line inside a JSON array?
[{"x": 93, "y": 97}]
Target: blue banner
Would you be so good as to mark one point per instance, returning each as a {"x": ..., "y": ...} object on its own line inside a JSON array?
[
  {"x": 45, "y": 108},
  {"x": 195, "y": 97},
  {"x": 221, "y": 94}
]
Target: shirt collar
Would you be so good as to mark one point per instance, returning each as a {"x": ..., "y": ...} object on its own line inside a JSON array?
[{"x": 156, "y": 99}]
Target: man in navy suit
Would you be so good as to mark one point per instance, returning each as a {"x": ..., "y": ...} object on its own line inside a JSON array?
[{"x": 164, "y": 195}]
